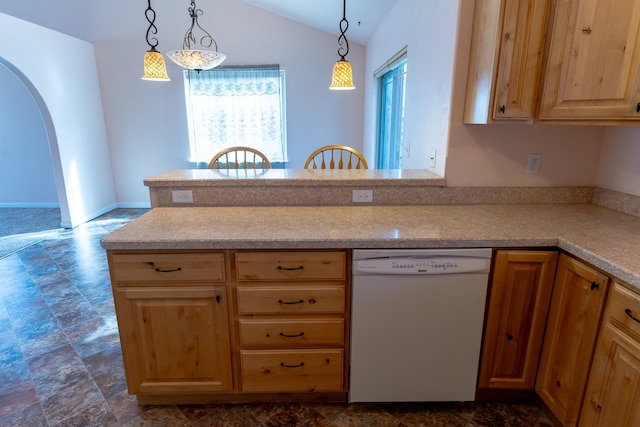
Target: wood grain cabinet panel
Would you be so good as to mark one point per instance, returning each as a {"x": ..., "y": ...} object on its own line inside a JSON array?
[
  {"x": 507, "y": 48},
  {"x": 516, "y": 315},
  {"x": 291, "y": 266},
  {"x": 576, "y": 310},
  {"x": 157, "y": 268},
  {"x": 593, "y": 66},
  {"x": 292, "y": 320},
  {"x": 290, "y": 371},
  {"x": 613, "y": 391},
  {"x": 291, "y": 300},
  {"x": 175, "y": 339}
]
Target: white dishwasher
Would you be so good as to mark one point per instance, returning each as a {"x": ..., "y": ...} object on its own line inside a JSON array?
[{"x": 416, "y": 324}]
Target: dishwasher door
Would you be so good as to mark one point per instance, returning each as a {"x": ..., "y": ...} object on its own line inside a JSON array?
[{"x": 417, "y": 337}]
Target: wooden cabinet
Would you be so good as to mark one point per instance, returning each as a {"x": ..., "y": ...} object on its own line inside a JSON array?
[
  {"x": 613, "y": 392},
  {"x": 292, "y": 321},
  {"x": 241, "y": 326},
  {"x": 506, "y": 57},
  {"x": 575, "y": 313},
  {"x": 593, "y": 66},
  {"x": 516, "y": 315},
  {"x": 172, "y": 311}
]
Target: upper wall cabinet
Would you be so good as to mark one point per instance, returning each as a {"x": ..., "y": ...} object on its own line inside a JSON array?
[
  {"x": 506, "y": 58},
  {"x": 593, "y": 64}
]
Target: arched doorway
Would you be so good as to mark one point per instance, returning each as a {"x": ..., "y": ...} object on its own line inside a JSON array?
[{"x": 30, "y": 172}]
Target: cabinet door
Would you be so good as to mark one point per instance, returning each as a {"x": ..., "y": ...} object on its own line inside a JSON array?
[
  {"x": 505, "y": 61},
  {"x": 594, "y": 61},
  {"x": 613, "y": 393},
  {"x": 516, "y": 315},
  {"x": 576, "y": 309},
  {"x": 175, "y": 339}
]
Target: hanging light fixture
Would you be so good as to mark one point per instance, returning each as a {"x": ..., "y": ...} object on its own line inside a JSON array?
[
  {"x": 154, "y": 66},
  {"x": 342, "y": 78},
  {"x": 194, "y": 59}
]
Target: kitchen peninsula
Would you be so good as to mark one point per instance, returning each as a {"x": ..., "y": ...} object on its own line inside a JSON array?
[{"x": 224, "y": 256}]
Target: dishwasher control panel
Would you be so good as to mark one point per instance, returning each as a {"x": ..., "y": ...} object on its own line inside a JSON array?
[{"x": 413, "y": 265}]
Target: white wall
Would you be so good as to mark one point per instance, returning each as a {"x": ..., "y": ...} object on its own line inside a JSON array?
[
  {"x": 427, "y": 28},
  {"x": 146, "y": 121},
  {"x": 60, "y": 74},
  {"x": 620, "y": 160},
  {"x": 496, "y": 155},
  {"x": 26, "y": 167}
]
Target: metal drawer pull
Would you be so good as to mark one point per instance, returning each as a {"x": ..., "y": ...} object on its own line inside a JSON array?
[
  {"x": 628, "y": 313},
  {"x": 301, "y": 364},
  {"x": 291, "y": 336},
  {"x": 594, "y": 286},
  {"x": 290, "y": 268},
  {"x": 168, "y": 271},
  {"x": 290, "y": 302}
]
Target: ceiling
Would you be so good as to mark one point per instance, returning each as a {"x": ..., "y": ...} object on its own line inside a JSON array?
[{"x": 94, "y": 20}]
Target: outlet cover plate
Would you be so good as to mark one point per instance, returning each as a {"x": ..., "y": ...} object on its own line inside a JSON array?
[
  {"x": 182, "y": 196},
  {"x": 362, "y": 196}
]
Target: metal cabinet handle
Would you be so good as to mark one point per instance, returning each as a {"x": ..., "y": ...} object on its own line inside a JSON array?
[
  {"x": 638, "y": 108},
  {"x": 594, "y": 286},
  {"x": 290, "y": 302},
  {"x": 299, "y": 365},
  {"x": 502, "y": 109},
  {"x": 159, "y": 270},
  {"x": 282, "y": 334},
  {"x": 629, "y": 313},
  {"x": 290, "y": 268}
]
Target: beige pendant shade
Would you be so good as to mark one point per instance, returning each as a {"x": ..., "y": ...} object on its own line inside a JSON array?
[
  {"x": 154, "y": 67},
  {"x": 342, "y": 78}
]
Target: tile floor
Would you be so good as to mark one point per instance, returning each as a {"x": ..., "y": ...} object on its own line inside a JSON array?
[{"x": 60, "y": 361}]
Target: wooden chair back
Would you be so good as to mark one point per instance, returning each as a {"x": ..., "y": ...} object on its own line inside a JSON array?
[
  {"x": 239, "y": 158},
  {"x": 336, "y": 157}
]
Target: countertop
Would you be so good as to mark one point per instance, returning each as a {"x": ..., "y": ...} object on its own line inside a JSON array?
[{"x": 608, "y": 239}]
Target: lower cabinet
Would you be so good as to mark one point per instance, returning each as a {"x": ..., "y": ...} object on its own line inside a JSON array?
[
  {"x": 575, "y": 314},
  {"x": 231, "y": 326},
  {"x": 516, "y": 314},
  {"x": 613, "y": 391},
  {"x": 292, "y": 321},
  {"x": 175, "y": 339}
]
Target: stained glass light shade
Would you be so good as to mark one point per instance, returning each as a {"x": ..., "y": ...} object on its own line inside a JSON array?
[
  {"x": 342, "y": 78},
  {"x": 193, "y": 59},
  {"x": 154, "y": 67}
]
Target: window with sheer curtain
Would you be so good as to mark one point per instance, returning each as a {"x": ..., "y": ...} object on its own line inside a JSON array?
[{"x": 229, "y": 106}]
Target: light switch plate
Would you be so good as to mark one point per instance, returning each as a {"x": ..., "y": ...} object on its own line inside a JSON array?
[{"x": 182, "y": 196}]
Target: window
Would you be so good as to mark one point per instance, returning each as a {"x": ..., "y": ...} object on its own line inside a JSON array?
[
  {"x": 230, "y": 106},
  {"x": 392, "y": 84}
]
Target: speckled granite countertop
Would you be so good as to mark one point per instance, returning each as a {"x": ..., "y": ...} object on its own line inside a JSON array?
[{"x": 608, "y": 239}]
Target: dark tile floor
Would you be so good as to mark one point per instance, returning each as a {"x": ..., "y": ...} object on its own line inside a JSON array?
[{"x": 60, "y": 361}]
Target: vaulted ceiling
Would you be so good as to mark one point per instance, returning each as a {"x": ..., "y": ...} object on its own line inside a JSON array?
[{"x": 95, "y": 20}]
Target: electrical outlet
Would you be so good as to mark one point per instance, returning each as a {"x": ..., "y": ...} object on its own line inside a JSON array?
[
  {"x": 362, "y": 196},
  {"x": 182, "y": 196},
  {"x": 533, "y": 164},
  {"x": 432, "y": 158}
]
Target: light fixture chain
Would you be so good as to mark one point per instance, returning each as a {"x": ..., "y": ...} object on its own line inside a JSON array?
[
  {"x": 189, "y": 39},
  {"x": 150, "y": 14},
  {"x": 342, "y": 40}
]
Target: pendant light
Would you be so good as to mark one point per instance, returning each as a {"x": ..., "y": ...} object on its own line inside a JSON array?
[
  {"x": 154, "y": 66},
  {"x": 196, "y": 59},
  {"x": 342, "y": 78}
]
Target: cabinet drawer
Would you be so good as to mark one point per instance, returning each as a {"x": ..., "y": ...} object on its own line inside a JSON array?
[
  {"x": 291, "y": 266},
  {"x": 292, "y": 332},
  {"x": 285, "y": 371},
  {"x": 277, "y": 300},
  {"x": 168, "y": 267},
  {"x": 624, "y": 308}
]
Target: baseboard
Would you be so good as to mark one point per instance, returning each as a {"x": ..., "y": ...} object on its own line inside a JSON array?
[
  {"x": 31, "y": 205},
  {"x": 134, "y": 205}
]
